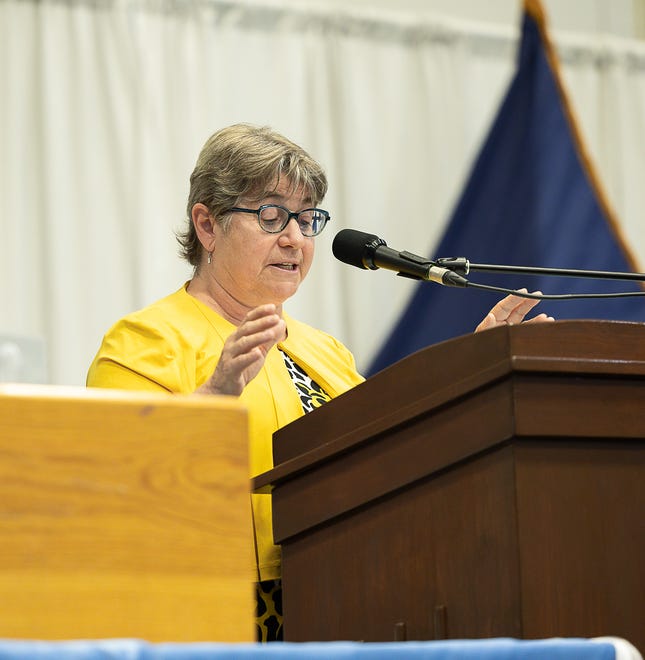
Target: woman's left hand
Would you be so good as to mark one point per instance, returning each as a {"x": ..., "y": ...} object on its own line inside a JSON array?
[{"x": 512, "y": 310}]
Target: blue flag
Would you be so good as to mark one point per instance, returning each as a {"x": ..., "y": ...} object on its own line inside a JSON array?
[{"x": 532, "y": 199}]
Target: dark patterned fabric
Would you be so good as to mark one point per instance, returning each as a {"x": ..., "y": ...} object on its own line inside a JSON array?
[
  {"x": 311, "y": 394},
  {"x": 268, "y": 616}
]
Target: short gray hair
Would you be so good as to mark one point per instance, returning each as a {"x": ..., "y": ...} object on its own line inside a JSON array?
[{"x": 241, "y": 161}]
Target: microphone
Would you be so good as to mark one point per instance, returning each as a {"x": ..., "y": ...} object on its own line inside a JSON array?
[{"x": 370, "y": 252}]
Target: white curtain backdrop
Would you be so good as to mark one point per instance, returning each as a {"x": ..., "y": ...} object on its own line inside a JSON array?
[{"x": 104, "y": 106}]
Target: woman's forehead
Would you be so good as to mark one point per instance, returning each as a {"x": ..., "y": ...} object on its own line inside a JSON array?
[{"x": 282, "y": 188}]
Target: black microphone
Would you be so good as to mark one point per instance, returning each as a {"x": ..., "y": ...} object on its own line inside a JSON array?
[{"x": 368, "y": 251}]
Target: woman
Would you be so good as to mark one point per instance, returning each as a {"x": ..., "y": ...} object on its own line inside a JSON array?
[{"x": 252, "y": 220}]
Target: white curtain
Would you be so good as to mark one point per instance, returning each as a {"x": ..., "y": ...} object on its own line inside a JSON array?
[{"x": 104, "y": 106}]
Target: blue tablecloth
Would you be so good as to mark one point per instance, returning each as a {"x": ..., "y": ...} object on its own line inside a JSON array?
[{"x": 490, "y": 649}]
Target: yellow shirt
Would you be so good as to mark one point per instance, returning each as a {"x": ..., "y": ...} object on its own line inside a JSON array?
[{"x": 174, "y": 345}]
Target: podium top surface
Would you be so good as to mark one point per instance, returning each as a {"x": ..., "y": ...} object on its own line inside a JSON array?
[
  {"x": 448, "y": 372},
  {"x": 89, "y": 395}
]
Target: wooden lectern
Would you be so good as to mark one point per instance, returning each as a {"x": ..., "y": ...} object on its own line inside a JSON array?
[
  {"x": 124, "y": 514},
  {"x": 489, "y": 486}
]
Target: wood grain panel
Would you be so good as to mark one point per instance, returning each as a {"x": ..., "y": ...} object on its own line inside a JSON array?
[{"x": 124, "y": 515}]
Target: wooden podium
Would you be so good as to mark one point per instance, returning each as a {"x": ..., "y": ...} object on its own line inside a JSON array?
[
  {"x": 489, "y": 486},
  {"x": 124, "y": 514}
]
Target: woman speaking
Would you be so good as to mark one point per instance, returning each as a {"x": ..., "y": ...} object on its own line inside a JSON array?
[{"x": 253, "y": 215}]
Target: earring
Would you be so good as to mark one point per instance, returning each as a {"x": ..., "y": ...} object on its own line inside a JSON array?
[{"x": 210, "y": 257}]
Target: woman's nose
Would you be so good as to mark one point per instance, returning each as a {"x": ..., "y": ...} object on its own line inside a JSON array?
[{"x": 291, "y": 234}]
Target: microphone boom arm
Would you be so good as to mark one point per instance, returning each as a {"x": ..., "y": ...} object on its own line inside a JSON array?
[{"x": 462, "y": 266}]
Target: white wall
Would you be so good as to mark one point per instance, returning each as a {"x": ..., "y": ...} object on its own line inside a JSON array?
[
  {"x": 624, "y": 18},
  {"x": 82, "y": 137}
]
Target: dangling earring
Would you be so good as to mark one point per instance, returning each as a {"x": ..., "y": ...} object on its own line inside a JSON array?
[{"x": 210, "y": 257}]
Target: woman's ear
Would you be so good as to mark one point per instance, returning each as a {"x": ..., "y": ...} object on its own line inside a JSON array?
[{"x": 204, "y": 226}]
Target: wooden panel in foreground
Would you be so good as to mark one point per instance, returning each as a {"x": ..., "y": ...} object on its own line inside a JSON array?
[{"x": 124, "y": 514}]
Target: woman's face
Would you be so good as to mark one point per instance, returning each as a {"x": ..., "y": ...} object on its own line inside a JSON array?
[{"x": 255, "y": 267}]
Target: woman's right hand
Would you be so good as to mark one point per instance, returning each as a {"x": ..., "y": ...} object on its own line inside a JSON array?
[{"x": 245, "y": 350}]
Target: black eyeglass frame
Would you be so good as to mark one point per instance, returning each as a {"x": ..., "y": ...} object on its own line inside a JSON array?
[{"x": 326, "y": 217}]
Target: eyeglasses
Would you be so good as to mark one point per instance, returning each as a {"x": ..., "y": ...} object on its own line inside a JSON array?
[{"x": 273, "y": 218}]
